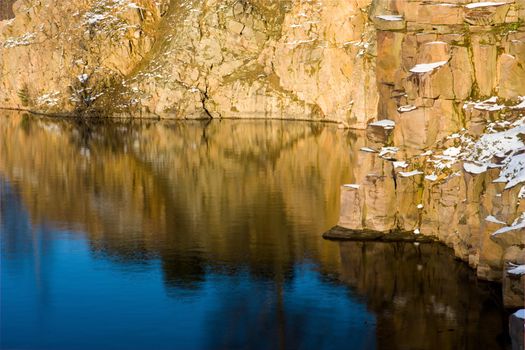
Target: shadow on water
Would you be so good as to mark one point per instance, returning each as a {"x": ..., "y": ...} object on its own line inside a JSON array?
[
  {"x": 423, "y": 297},
  {"x": 206, "y": 235}
]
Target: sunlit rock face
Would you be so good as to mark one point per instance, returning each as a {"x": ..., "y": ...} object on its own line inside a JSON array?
[{"x": 193, "y": 58}]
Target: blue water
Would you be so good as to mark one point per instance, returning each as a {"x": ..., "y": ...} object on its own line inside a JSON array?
[
  {"x": 197, "y": 236},
  {"x": 57, "y": 294}
]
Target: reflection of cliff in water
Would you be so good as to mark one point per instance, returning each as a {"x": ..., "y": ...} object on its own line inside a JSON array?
[
  {"x": 423, "y": 297},
  {"x": 193, "y": 194}
]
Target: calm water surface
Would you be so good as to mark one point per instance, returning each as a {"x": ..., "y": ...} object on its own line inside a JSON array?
[{"x": 164, "y": 235}]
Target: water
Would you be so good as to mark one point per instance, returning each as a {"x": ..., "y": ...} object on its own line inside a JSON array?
[{"x": 197, "y": 235}]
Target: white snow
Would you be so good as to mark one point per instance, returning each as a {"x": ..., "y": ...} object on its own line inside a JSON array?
[
  {"x": 493, "y": 219},
  {"x": 384, "y": 123},
  {"x": 503, "y": 150},
  {"x": 427, "y": 67},
  {"x": 410, "y": 173},
  {"x": 83, "y": 78},
  {"x": 390, "y": 17},
  {"x": 520, "y": 314},
  {"x": 514, "y": 172},
  {"x": 520, "y": 105},
  {"x": 517, "y": 270},
  {"x": 353, "y": 186},
  {"x": 93, "y": 18},
  {"x": 431, "y": 177},
  {"x": 24, "y": 40},
  {"x": 484, "y": 4},
  {"x": 406, "y": 108},
  {"x": 416, "y": 231},
  {"x": 490, "y": 105},
  {"x": 400, "y": 164},
  {"x": 452, "y": 151},
  {"x": 367, "y": 149},
  {"x": 420, "y": 206},
  {"x": 521, "y": 195},
  {"x": 50, "y": 99},
  {"x": 474, "y": 168},
  {"x": 390, "y": 151},
  {"x": 518, "y": 224}
]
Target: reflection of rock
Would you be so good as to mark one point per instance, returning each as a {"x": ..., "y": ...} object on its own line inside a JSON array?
[
  {"x": 149, "y": 190},
  {"x": 422, "y": 290}
]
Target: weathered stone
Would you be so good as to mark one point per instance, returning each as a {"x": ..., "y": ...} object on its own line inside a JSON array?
[
  {"x": 511, "y": 75},
  {"x": 439, "y": 13},
  {"x": 486, "y": 14},
  {"x": 513, "y": 286}
]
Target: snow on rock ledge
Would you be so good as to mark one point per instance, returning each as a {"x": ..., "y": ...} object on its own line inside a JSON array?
[{"x": 427, "y": 67}]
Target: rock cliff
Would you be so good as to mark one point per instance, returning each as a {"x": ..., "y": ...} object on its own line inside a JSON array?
[{"x": 438, "y": 85}]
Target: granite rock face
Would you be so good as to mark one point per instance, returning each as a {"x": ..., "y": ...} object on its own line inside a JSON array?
[{"x": 192, "y": 59}]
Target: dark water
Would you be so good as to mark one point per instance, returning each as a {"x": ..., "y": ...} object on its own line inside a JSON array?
[{"x": 208, "y": 236}]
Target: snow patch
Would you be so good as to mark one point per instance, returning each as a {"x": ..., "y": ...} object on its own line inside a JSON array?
[
  {"x": 493, "y": 219},
  {"x": 410, "y": 173},
  {"x": 83, "y": 78},
  {"x": 518, "y": 224},
  {"x": 431, "y": 177},
  {"x": 427, "y": 67},
  {"x": 400, "y": 164},
  {"x": 406, "y": 108},
  {"x": 353, "y": 186},
  {"x": 484, "y": 4},
  {"x": 388, "y": 151},
  {"x": 520, "y": 314},
  {"x": 390, "y": 17},
  {"x": 384, "y": 123},
  {"x": 517, "y": 270},
  {"x": 474, "y": 168},
  {"x": 24, "y": 40}
]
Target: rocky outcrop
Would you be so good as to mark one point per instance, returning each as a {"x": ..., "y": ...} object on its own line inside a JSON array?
[{"x": 446, "y": 157}]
